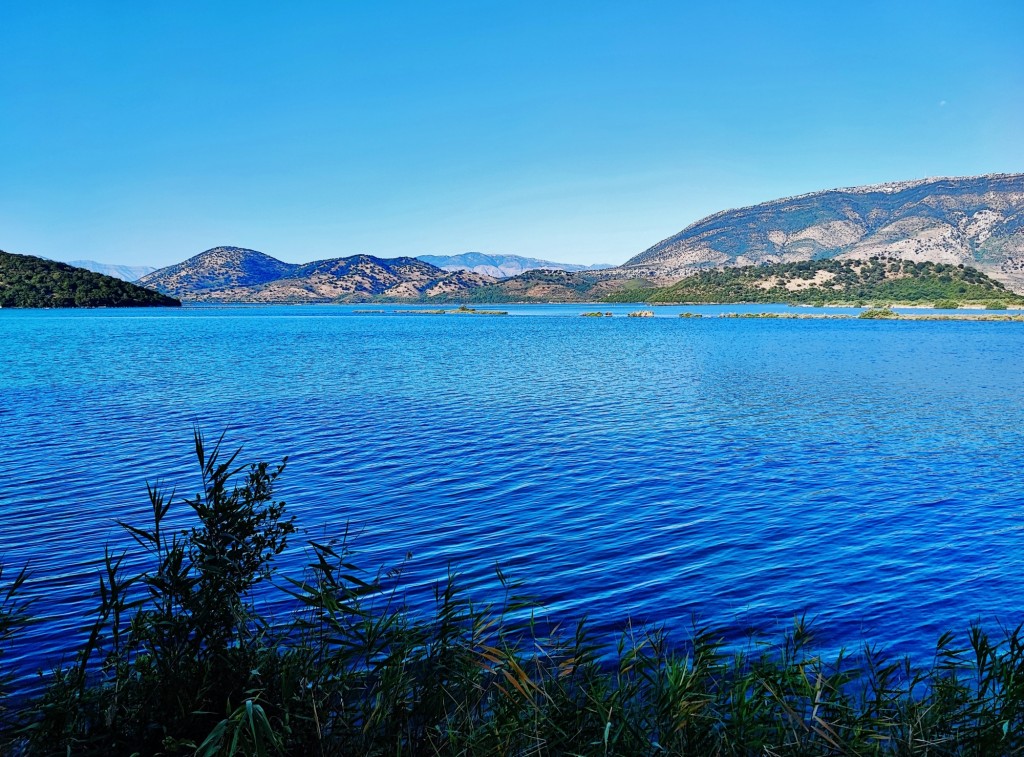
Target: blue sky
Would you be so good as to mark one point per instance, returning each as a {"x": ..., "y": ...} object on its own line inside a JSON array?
[{"x": 577, "y": 131}]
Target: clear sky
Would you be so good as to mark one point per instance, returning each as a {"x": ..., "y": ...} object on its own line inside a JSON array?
[{"x": 146, "y": 132}]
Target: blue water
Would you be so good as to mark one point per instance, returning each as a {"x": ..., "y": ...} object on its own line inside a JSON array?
[{"x": 867, "y": 473}]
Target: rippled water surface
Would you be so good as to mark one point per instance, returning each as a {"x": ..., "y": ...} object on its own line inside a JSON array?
[{"x": 867, "y": 473}]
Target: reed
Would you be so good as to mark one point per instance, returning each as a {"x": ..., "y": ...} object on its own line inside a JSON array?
[{"x": 178, "y": 659}]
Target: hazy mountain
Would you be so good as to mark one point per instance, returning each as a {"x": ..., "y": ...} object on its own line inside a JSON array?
[
  {"x": 976, "y": 221},
  {"x": 123, "y": 272},
  {"x": 27, "y": 281},
  {"x": 500, "y": 266},
  {"x": 233, "y": 274}
]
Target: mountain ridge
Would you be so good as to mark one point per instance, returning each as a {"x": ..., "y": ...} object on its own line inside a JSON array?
[
  {"x": 502, "y": 266},
  {"x": 124, "y": 272},
  {"x": 237, "y": 274},
  {"x": 974, "y": 220}
]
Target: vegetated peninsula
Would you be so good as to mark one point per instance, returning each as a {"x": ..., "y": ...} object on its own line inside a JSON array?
[
  {"x": 27, "y": 281},
  {"x": 235, "y": 274},
  {"x": 836, "y": 282}
]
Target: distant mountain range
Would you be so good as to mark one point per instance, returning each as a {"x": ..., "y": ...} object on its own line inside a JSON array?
[
  {"x": 501, "y": 266},
  {"x": 235, "y": 274},
  {"x": 123, "y": 272},
  {"x": 976, "y": 221}
]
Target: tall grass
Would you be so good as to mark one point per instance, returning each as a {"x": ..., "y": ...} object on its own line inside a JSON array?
[{"x": 179, "y": 660}]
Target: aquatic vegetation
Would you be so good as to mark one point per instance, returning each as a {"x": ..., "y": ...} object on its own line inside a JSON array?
[
  {"x": 181, "y": 659},
  {"x": 879, "y": 313},
  {"x": 463, "y": 310}
]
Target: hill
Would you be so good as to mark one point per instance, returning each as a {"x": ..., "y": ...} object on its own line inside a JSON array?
[
  {"x": 233, "y": 274},
  {"x": 974, "y": 221},
  {"x": 123, "y": 272},
  {"x": 359, "y": 278},
  {"x": 27, "y": 281},
  {"x": 548, "y": 286},
  {"x": 215, "y": 270},
  {"x": 500, "y": 266},
  {"x": 835, "y": 281}
]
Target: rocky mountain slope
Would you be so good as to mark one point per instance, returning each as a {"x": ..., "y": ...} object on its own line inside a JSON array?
[
  {"x": 976, "y": 221},
  {"x": 234, "y": 274},
  {"x": 27, "y": 281},
  {"x": 501, "y": 266},
  {"x": 123, "y": 272}
]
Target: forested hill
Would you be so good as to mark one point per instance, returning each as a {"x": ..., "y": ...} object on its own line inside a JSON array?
[
  {"x": 835, "y": 281},
  {"x": 30, "y": 282}
]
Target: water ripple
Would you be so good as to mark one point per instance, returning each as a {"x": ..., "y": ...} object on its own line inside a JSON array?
[{"x": 746, "y": 471}]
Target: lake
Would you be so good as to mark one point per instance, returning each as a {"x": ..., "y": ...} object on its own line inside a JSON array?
[{"x": 745, "y": 471}]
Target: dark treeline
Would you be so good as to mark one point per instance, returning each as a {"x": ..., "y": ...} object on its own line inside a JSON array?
[
  {"x": 178, "y": 660},
  {"x": 30, "y": 282}
]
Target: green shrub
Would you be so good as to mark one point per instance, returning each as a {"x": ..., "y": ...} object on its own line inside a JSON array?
[{"x": 946, "y": 305}]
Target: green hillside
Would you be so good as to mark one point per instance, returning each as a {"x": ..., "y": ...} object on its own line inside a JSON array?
[
  {"x": 833, "y": 282},
  {"x": 549, "y": 286},
  {"x": 30, "y": 282}
]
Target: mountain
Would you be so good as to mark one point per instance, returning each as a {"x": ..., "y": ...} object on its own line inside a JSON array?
[
  {"x": 27, "y": 281},
  {"x": 233, "y": 274},
  {"x": 216, "y": 270},
  {"x": 500, "y": 266},
  {"x": 832, "y": 281},
  {"x": 976, "y": 221},
  {"x": 123, "y": 272},
  {"x": 358, "y": 278}
]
